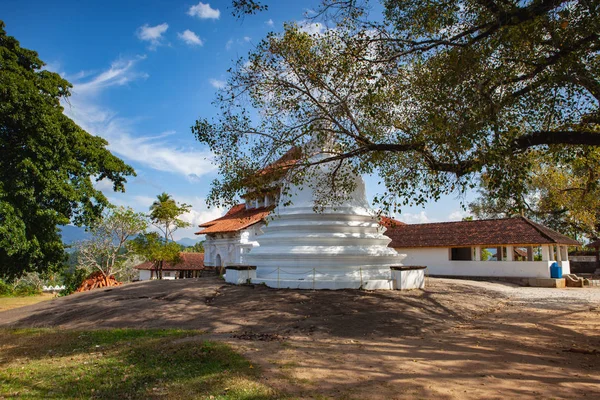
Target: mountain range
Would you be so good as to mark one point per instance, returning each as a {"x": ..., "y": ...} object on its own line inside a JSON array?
[{"x": 71, "y": 234}]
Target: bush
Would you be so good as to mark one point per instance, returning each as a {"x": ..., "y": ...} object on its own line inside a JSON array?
[
  {"x": 5, "y": 289},
  {"x": 29, "y": 284},
  {"x": 26, "y": 289},
  {"x": 72, "y": 281}
]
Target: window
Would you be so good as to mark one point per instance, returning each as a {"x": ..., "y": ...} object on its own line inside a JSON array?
[
  {"x": 490, "y": 253},
  {"x": 461, "y": 254}
]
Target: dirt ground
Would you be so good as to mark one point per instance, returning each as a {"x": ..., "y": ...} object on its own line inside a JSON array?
[{"x": 453, "y": 340}]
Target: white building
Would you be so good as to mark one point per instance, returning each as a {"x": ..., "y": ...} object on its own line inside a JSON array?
[
  {"x": 231, "y": 237},
  {"x": 191, "y": 265},
  {"x": 510, "y": 247}
]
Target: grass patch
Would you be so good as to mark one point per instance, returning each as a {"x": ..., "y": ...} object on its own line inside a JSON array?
[
  {"x": 123, "y": 364},
  {"x": 8, "y": 303}
]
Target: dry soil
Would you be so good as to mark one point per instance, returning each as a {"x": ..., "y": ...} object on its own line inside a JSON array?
[{"x": 453, "y": 340}]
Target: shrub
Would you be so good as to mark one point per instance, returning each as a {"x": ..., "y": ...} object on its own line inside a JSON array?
[
  {"x": 72, "y": 281},
  {"x": 5, "y": 289}
]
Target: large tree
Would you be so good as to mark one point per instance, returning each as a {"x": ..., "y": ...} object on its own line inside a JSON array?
[
  {"x": 48, "y": 164},
  {"x": 561, "y": 194},
  {"x": 430, "y": 95}
]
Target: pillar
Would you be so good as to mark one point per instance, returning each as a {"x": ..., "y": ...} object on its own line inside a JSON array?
[
  {"x": 510, "y": 253},
  {"x": 477, "y": 253},
  {"x": 545, "y": 252},
  {"x": 558, "y": 253}
]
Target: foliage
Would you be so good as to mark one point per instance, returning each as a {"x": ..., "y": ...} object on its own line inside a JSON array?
[
  {"x": 124, "y": 363},
  {"x": 430, "y": 95},
  {"x": 5, "y": 288},
  {"x": 72, "y": 280},
  {"x": 47, "y": 163},
  {"x": 165, "y": 213},
  {"x": 562, "y": 194},
  {"x": 107, "y": 250},
  {"x": 154, "y": 248},
  {"x": 29, "y": 284},
  {"x": 197, "y": 248}
]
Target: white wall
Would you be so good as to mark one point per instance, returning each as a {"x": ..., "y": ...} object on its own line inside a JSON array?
[
  {"x": 232, "y": 247},
  {"x": 144, "y": 275},
  {"x": 437, "y": 260}
]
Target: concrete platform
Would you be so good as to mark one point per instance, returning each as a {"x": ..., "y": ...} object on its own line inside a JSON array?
[
  {"x": 547, "y": 282},
  {"x": 374, "y": 284}
]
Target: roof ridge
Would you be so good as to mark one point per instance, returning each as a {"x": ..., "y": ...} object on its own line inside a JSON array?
[
  {"x": 537, "y": 226},
  {"x": 454, "y": 222}
]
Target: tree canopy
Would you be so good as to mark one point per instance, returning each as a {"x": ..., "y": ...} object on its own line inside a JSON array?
[
  {"x": 564, "y": 196},
  {"x": 107, "y": 250},
  {"x": 430, "y": 95},
  {"x": 48, "y": 164},
  {"x": 160, "y": 248}
]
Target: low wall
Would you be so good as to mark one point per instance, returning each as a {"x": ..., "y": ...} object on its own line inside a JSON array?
[{"x": 438, "y": 263}]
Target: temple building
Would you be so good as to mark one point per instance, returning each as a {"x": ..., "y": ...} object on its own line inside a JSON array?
[
  {"x": 510, "y": 247},
  {"x": 287, "y": 244}
]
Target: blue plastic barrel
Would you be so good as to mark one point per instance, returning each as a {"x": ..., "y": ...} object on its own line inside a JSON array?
[{"x": 555, "y": 271}]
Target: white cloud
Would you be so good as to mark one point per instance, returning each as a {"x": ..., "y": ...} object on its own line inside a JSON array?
[
  {"x": 198, "y": 214},
  {"x": 218, "y": 84},
  {"x": 269, "y": 22},
  {"x": 247, "y": 39},
  {"x": 457, "y": 215},
  {"x": 204, "y": 11},
  {"x": 155, "y": 152},
  {"x": 120, "y": 73},
  {"x": 228, "y": 44},
  {"x": 312, "y": 28},
  {"x": 152, "y": 34},
  {"x": 190, "y": 38},
  {"x": 411, "y": 218}
]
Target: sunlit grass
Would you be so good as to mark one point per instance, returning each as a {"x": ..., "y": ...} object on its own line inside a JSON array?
[
  {"x": 7, "y": 303},
  {"x": 123, "y": 364}
]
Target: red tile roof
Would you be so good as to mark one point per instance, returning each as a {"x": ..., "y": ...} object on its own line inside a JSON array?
[
  {"x": 237, "y": 218},
  {"x": 189, "y": 261},
  {"x": 507, "y": 231},
  {"x": 594, "y": 244},
  {"x": 390, "y": 222}
]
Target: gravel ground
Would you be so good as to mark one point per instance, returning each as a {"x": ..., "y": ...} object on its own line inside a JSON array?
[{"x": 516, "y": 293}]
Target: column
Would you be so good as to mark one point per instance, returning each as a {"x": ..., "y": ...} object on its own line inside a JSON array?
[
  {"x": 510, "y": 253},
  {"x": 477, "y": 253},
  {"x": 545, "y": 252},
  {"x": 558, "y": 255}
]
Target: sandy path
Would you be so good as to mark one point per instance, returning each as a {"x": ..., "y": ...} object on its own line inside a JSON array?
[{"x": 454, "y": 340}]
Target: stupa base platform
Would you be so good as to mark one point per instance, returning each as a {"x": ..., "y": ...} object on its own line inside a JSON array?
[{"x": 309, "y": 284}]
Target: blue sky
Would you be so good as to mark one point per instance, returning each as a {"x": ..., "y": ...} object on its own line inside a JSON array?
[{"x": 144, "y": 71}]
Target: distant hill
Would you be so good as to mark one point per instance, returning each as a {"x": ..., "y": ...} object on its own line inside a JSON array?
[
  {"x": 71, "y": 234},
  {"x": 188, "y": 241}
]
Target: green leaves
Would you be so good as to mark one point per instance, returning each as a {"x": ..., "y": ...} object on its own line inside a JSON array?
[
  {"x": 431, "y": 96},
  {"x": 47, "y": 163}
]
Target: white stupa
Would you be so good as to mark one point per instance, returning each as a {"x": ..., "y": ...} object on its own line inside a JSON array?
[{"x": 337, "y": 248}]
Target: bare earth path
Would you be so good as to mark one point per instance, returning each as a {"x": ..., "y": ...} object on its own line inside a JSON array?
[{"x": 454, "y": 340}]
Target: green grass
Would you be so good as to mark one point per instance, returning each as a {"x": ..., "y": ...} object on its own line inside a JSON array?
[
  {"x": 10, "y": 302},
  {"x": 123, "y": 364}
]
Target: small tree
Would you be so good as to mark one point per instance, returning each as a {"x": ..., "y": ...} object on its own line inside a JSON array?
[
  {"x": 152, "y": 247},
  {"x": 164, "y": 215},
  {"x": 107, "y": 251}
]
